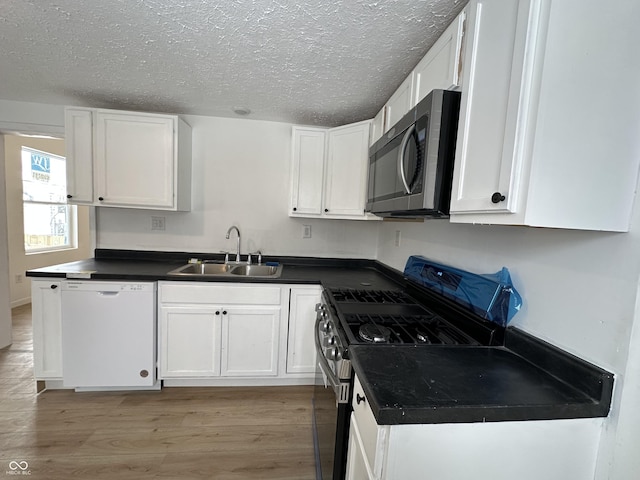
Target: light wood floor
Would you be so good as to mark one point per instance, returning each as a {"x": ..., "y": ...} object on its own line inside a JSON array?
[{"x": 176, "y": 433}]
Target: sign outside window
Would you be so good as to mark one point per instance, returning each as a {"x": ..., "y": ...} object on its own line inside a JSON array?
[
  {"x": 40, "y": 167},
  {"x": 44, "y": 177}
]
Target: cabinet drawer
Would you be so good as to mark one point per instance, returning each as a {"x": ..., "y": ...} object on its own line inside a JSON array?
[
  {"x": 372, "y": 435},
  {"x": 207, "y": 293}
]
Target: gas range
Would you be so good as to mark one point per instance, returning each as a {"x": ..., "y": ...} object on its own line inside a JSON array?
[{"x": 393, "y": 316}]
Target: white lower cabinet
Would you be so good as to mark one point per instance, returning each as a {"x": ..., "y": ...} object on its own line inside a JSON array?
[
  {"x": 189, "y": 342},
  {"x": 236, "y": 334},
  {"x": 47, "y": 329},
  {"x": 214, "y": 330},
  {"x": 250, "y": 341},
  {"x": 527, "y": 450},
  {"x": 301, "y": 353}
]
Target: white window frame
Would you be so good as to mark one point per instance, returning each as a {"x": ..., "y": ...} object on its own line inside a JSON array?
[{"x": 72, "y": 217}]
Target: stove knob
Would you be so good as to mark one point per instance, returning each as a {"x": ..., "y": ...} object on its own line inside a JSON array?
[
  {"x": 327, "y": 327},
  {"x": 320, "y": 307},
  {"x": 323, "y": 314},
  {"x": 331, "y": 341},
  {"x": 333, "y": 353}
]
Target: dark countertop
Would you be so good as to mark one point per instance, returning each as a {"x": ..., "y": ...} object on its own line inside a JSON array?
[
  {"x": 526, "y": 379},
  {"x": 449, "y": 384},
  {"x": 154, "y": 266}
]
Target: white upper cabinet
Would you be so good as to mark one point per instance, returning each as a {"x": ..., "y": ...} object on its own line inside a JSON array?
[
  {"x": 400, "y": 102},
  {"x": 493, "y": 70},
  {"x": 441, "y": 66},
  {"x": 377, "y": 126},
  {"x": 346, "y": 170},
  {"x": 128, "y": 159},
  {"x": 329, "y": 172},
  {"x": 534, "y": 148},
  {"x": 79, "y": 145},
  {"x": 308, "y": 170}
]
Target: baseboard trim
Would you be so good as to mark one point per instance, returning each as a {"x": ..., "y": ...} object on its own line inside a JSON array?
[{"x": 20, "y": 302}]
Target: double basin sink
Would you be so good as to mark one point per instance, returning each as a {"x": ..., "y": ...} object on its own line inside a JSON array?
[{"x": 227, "y": 269}]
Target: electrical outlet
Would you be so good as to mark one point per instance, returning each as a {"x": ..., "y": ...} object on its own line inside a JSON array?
[
  {"x": 157, "y": 223},
  {"x": 19, "y": 278},
  {"x": 397, "y": 240},
  {"x": 306, "y": 231}
]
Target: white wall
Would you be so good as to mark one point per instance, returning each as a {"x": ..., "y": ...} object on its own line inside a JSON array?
[
  {"x": 5, "y": 310},
  {"x": 19, "y": 262},
  {"x": 31, "y": 118},
  {"x": 241, "y": 176},
  {"x": 624, "y": 460}
]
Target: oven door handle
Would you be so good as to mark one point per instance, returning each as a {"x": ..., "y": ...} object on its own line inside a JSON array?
[
  {"x": 324, "y": 364},
  {"x": 403, "y": 147}
]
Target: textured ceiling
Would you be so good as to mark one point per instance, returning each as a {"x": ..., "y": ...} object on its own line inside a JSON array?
[{"x": 323, "y": 62}]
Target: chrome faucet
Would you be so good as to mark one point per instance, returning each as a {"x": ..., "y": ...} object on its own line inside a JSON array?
[
  {"x": 258, "y": 254},
  {"x": 238, "y": 232}
]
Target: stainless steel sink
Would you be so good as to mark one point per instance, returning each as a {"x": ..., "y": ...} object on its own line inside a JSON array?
[
  {"x": 226, "y": 269},
  {"x": 256, "y": 270},
  {"x": 202, "y": 269}
]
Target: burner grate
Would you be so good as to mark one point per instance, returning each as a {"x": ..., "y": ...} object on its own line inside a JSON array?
[
  {"x": 412, "y": 329},
  {"x": 371, "y": 296}
]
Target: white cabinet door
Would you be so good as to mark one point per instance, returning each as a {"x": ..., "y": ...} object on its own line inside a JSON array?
[
  {"x": 189, "y": 341},
  {"x": 135, "y": 159},
  {"x": 400, "y": 102},
  {"x": 307, "y": 171},
  {"x": 531, "y": 149},
  {"x": 301, "y": 352},
  {"x": 377, "y": 126},
  {"x": 250, "y": 339},
  {"x": 357, "y": 467},
  {"x": 128, "y": 159},
  {"x": 329, "y": 172},
  {"x": 79, "y": 150},
  {"x": 488, "y": 158},
  {"x": 347, "y": 168},
  {"x": 441, "y": 66},
  {"x": 47, "y": 329}
]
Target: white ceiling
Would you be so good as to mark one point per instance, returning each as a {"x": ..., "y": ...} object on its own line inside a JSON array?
[{"x": 323, "y": 62}]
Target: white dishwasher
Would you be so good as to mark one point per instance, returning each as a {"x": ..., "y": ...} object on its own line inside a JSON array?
[{"x": 109, "y": 335}]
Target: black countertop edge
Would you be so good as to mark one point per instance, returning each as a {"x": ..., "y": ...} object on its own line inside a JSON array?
[
  {"x": 154, "y": 278},
  {"x": 582, "y": 375},
  {"x": 485, "y": 414}
]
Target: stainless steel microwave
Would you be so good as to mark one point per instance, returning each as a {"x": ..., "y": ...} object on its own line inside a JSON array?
[{"x": 411, "y": 166}]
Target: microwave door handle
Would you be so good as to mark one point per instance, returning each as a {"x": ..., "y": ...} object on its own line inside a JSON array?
[{"x": 403, "y": 146}]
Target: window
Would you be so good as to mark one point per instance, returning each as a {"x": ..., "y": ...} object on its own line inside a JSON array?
[{"x": 49, "y": 223}]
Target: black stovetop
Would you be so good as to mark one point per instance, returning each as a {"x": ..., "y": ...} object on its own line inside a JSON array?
[{"x": 395, "y": 317}]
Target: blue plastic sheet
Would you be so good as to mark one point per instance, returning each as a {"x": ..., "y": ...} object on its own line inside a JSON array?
[{"x": 492, "y": 296}]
